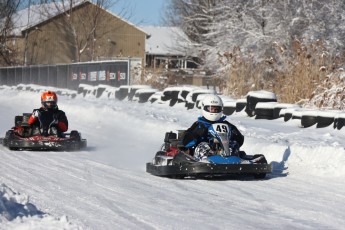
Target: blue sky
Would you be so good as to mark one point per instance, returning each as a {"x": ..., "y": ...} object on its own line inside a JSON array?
[
  {"x": 143, "y": 12},
  {"x": 138, "y": 12}
]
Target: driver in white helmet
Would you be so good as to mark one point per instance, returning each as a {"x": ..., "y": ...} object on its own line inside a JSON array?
[{"x": 205, "y": 135}]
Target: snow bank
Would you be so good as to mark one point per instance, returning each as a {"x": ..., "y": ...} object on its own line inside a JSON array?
[{"x": 18, "y": 213}]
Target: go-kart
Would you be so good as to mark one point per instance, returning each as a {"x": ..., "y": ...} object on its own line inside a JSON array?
[
  {"x": 45, "y": 137},
  {"x": 174, "y": 161}
]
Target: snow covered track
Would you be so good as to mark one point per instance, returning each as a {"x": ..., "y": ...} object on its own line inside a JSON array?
[{"x": 105, "y": 186}]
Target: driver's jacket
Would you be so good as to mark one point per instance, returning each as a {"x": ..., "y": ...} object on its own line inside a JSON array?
[
  {"x": 200, "y": 132},
  {"x": 49, "y": 117}
]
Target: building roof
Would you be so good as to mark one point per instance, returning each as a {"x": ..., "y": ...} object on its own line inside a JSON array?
[
  {"x": 165, "y": 41},
  {"x": 36, "y": 14},
  {"x": 33, "y": 15}
]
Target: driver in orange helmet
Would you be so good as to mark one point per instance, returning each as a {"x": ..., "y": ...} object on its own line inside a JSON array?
[{"x": 49, "y": 118}]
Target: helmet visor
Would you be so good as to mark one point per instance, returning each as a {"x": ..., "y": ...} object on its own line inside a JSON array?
[
  {"x": 213, "y": 108},
  {"x": 49, "y": 104}
]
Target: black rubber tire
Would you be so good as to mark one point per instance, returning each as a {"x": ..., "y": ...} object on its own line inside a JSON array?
[
  {"x": 240, "y": 106},
  {"x": 307, "y": 121},
  {"x": 262, "y": 161},
  {"x": 264, "y": 113},
  {"x": 18, "y": 120},
  {"x": 75, "y": 135},
  {"x": 227, "y": 110},
  {"x": 323, "y": 122}
]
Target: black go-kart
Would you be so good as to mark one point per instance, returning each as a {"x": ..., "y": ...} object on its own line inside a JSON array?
[
  {"x": 174, "y": 161},
  {"x": 44, "y": 138}
]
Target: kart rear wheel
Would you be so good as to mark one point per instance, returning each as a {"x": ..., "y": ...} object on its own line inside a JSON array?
[
  {"x": 13, "y": 148},
  {"x": 262, "y": 161},
  {"x": 18, "y": 120},
  {"x": 260, "y": 176},
  {"x": 75, "y": 135},
  {"x": 177, "y": 177}
]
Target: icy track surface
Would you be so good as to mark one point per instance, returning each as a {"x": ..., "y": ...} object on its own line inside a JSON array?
[{"x": 106, "y": 187}]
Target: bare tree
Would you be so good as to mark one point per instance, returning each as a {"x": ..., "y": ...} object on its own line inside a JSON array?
[
  {"x": 7, "y": 9},
  {"x": 82, "y": 29}
]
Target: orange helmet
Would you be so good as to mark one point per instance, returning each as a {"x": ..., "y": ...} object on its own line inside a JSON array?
[{"x": 49, "y": 100}]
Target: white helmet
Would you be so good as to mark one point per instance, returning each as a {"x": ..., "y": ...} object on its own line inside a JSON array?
[{"x": 212, "y": 107}]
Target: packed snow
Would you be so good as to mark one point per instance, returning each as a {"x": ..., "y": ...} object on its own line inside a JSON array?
[{"x": 105, "y": 186}]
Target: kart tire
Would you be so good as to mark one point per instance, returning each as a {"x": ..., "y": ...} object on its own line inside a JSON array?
[
  {"x": 262, "y": 161},
  {"x": 75, "y": 135}
]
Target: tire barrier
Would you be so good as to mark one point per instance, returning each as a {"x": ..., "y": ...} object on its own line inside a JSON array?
[
  {"x": 325, "y": 118},
  {"x": 255, "y": 97},
  {"x": 308, "y": 121},
  {"x": 241, "y": 105},
  {"x": 193, "y": 95},
  {"x": 303, "y": 117},
  {"x": 229, "y": 107},
  {"x": 339, "y": 121},
  {"x": 122, "y": 92},
  {"x": 264, "y": 110},
  {"x": 143, "y": 95}
]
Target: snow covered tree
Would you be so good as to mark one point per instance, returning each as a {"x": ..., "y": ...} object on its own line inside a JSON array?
[
  {"x": 217, "y": 26},
  {"x": 7, "y": 9},
  {"x": 231, "y": 36}
]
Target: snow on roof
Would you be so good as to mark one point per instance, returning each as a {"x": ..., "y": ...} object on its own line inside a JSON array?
[
  {"x": 36, "y": 14},
  {"x": 165, "y": 40}
]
